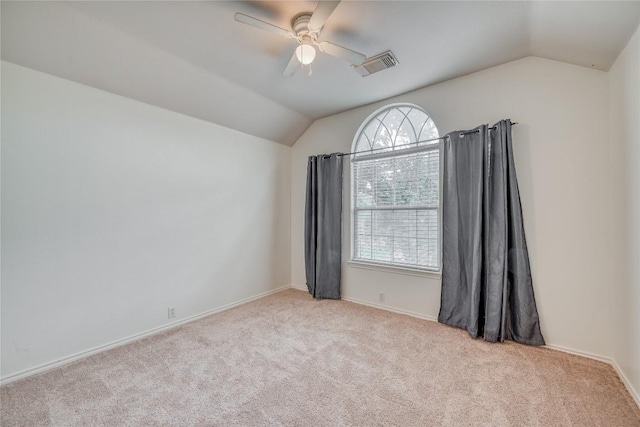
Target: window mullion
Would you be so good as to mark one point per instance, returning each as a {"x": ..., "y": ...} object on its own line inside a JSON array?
[
  {"x": 393, "y": 213},
  {"x": 416, "y": 174},
  {"x": 375, "y": 201},
  {"x": 416, "y": 238},
  {"x": 356, "y": 237},
  {"x": 371, "y": 233}
]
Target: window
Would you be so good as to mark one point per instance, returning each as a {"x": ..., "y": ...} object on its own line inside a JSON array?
[{"x": 395, "y": 176}]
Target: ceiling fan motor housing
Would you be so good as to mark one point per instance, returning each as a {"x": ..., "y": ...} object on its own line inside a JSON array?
[{"x": 300, "y": 25}]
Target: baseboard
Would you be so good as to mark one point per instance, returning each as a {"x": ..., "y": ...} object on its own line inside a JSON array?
[
  {"x": 579, "y": 353},
  {"x": 608, "y": 360},
  {"x": 117, "y": 343},
  {"x": 380, "y": 306},
  {"x": 392, "y": 309},
  {"x": 632, "y": 391},
  {"x": 81, "y": 355},
  {"x": 634, "y": 394}
]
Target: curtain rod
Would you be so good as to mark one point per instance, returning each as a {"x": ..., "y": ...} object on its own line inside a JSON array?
[{"x": 413, "y": 143}]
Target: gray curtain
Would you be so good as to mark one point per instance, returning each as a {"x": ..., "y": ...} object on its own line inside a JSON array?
[
  {"x": 323, "y": 226},
  {"x": 486, "y": 277}
]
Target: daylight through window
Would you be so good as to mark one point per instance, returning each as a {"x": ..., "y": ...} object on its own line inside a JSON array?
[{"x": 396, "y": 190}]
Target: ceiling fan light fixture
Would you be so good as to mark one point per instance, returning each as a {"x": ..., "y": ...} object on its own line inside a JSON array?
[
  {"x": 305, "y": 54},
  {"x": 305, "y": 29}
]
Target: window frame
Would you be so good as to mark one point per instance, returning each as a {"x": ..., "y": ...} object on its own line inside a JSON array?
[{"x": 391, "y": 267}]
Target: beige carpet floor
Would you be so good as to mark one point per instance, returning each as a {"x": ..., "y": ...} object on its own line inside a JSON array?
[{"x": 287, "y": 360}]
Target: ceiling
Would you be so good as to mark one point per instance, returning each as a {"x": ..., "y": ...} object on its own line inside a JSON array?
[{"x": 193, "y": 58}]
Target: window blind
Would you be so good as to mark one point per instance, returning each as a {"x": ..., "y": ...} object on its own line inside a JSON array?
[{"x": 395, "y": 209}]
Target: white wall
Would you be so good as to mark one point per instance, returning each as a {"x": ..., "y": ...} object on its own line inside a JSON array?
[
  {"x": 625, "y": 142},
  {"x": 565, "y": 177},
  {"x": 114, "y": 210}
]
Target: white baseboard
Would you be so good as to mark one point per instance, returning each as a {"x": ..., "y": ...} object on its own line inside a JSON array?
[
  {"x": 117, "y": 343},
  {"x": 380, "y": 306},
  {"x": 392, "y": 309},
  {"x": 608, "y": 360},
  {"x": 579, "y": 353},
  {"x": 83, "y": 354},
  {"x": 632, "y": 391},
  {"x": 634, "y": 394}
]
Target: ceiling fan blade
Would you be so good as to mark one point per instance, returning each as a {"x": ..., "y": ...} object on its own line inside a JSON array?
[
  {"x": 321, "y": 14},
  {"x": 292, "y": 66},
  {"x": 254, "y": 22},
  {"x": 351, "y": 56}
]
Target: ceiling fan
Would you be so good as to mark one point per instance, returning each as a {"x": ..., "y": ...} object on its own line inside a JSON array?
[{"x": 305, "y": 29}]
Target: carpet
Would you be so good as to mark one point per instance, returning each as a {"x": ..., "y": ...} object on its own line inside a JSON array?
[{"x": 288, "y": 360}]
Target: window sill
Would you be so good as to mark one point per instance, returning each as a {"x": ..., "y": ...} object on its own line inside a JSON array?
[{"x": 431, "y": 274}]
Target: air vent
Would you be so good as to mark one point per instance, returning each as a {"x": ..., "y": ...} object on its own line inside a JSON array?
[{"x": 377, "y": 63}]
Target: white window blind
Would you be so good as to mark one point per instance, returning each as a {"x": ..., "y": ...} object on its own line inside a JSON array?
[
  {"x": 396, "y": 190},
  {"x": 395, "y": 210}
]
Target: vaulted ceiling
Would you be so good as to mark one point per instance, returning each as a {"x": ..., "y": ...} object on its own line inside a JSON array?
[{"x": 193, "y": 58}]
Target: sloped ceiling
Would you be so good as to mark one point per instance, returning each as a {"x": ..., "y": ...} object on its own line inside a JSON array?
[{"x": 193, "y": 58}]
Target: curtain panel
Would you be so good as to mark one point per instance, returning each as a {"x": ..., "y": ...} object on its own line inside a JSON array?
[
  {"x": 323, "y": 226},
  {"x": 487, "y": 286}
]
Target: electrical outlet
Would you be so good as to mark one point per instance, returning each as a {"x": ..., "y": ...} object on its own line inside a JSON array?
[
  {"x": 171, "y": 312},
  {"x": 381, "y": 297}
]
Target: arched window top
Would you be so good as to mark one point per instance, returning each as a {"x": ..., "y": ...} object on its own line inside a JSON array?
[{"x": 395, "y": 127}]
